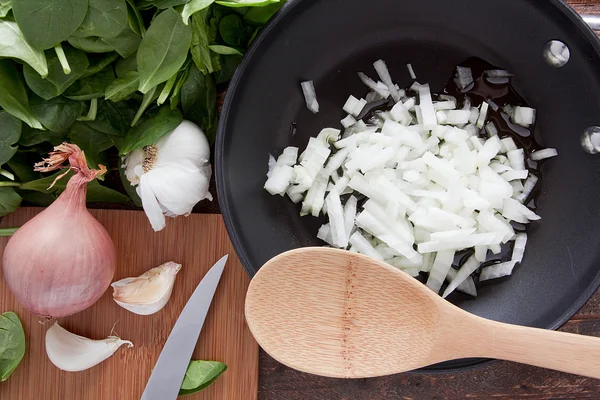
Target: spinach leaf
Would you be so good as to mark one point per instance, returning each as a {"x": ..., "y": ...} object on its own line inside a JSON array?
[
  {"x": 98, "y": 62},
  {"x": 125, "y": 65},
  {"x": 31, "y": 137},
  {"x": 96, "y": 193},
  {"x": 90, "y": 44},
  {"x": 156, "y": 124},
  {"x": 5, "y": 7},
  {"x": 57, "y": 81},
  {"x": 175, "y": 96},
  {"x": 198, "y": 100},
  {"x": 13, "y": 96},
  {"x": 12, "y": 338},
  {"x": 129, "y": 188},
  {"x": 45, "y": 23},
  {"x": 192, "y": 7},
  {"x": 9, "y": 202},
  {"x": 91, "y": 141},
  {"x": 134, "y": 18},
  {"x": 228, "y": 66},
  {"x": 56, "y": 114},
  {"x": 113, "y": 119},
  {"x": 225, "y": 50},
  {"x": 261, "y": 15},
  {"x": 126, "y": 43},
  {"x": 122, "y": 88},
  {"x": 245, "y": 3},
  {"x": 36, "y": 198},
  {"x": 200, "y": 375},
  {"x": 13, "y": 44},
  {"x": 162, "y": 4},
  {"x": 163, "y": 50},
  {"x": 91, "y": 87},
  {"x": 10, "y": 132},
  {"x": 105, "y": 18},
  {"x": 232, "y": 30},
  {"x": 200, "y": 40}
]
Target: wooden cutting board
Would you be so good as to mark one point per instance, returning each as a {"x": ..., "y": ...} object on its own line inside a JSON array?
[{"x": 196, "y": 242}]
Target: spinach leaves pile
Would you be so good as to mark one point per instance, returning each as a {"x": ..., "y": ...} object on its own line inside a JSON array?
[{"x": 110, "y": 76}]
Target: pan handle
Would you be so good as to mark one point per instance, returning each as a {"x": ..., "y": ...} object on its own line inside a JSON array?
[{"x": 592, "y": 20}]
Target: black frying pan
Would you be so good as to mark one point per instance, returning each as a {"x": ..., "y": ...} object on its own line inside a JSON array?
[{"x": 328, "y": 41}]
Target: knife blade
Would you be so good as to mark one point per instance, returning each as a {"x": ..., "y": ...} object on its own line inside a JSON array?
[{"x": 168, "y": 373}]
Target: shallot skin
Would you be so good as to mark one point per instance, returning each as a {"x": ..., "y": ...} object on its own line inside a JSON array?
[{"x": 63, "y": 260}]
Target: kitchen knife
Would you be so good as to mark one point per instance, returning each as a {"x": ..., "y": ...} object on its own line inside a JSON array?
[{"x": 168, "y": 373}]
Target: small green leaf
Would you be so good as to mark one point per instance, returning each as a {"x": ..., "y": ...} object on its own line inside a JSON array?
[
  {"x": 176, "y": 95},
  {"x": 113, "y": 119},
  {"x": 148, "y": 98},
  {"x": 92, "y": 87},
  {"x": 10, "y": 132},
  {"x": 13, "y": 44},
  {"x": 97, "y": 62},
  {"x": 200, "y": 40},
  {"x": 193, "y": 7},
  {"x": 225, "y": 50},
  {"x": 13, "y": 96},
  {"x": 90, "y": 44},
  {"x": 151, "y": 128},
  {"x": 245, "y": 3},
  {"x": 46, "y": 23},
  {"x": 12, "y": 335},
  {"x": 91, "y": 141},
  {"x": 163, "y": 50},
  {"x": 198, "y": 100},
  {"x": 32, "y": 137},
  {"x": 56, "y": 114},
  {"x": 5, "y": 7},
  {"x": 201, "y": 374},
  {"x": 136, "y": 22},
  {"x": 125, "y": 65},
  {"x": 122, "y": 88},
  {"x": 9, "y": 202},
  {"x": 105, "y": 18},
  {"x": 261, "y": 15},
  {"x": 57, "y": 81},
  {"x": 232, "y": 30},
  {"x": 126, "y": 43},
  {"x": 228, "y": 66}
]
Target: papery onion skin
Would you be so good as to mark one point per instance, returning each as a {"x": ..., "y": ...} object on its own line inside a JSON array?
[{"x": 62, "y": 260}]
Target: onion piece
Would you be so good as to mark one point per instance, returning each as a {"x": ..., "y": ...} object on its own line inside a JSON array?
[
  {"x": 467, "y": 286},
  {"x": 463, "y": 273},
  {"x": 464, "y": 77},
  {"x": 439, "y": 270},
  {"x": 310, "y": 96},
  {"x": 385, "y": 77},
  {"x": 519, "y": 247},
  {"x": 374, "y": 86},
  {"x": 362, "y": 245},
  {"x": 411, "y": 71},
  {"x": 497, "y": 270},
  {"x": 543, "y": 154}
]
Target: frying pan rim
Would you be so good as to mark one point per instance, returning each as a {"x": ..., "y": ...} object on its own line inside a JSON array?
[{"x": 466, "y": 364}]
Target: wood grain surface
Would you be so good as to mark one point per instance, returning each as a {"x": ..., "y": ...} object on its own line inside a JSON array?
[
  {"x": 196, "y": 242},
  {"x": 498, "y": 380}
]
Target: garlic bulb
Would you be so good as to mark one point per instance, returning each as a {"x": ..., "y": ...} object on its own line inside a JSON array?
[
  {"x": 147, "y": 293},
  {"x": 172, "y": 175},
  {"x": 72, "y": 353}
]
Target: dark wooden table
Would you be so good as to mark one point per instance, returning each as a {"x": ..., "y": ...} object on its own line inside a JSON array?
[{"x": 498, "y": 380}]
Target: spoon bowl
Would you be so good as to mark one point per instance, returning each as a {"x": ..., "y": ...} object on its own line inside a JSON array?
[{"x": 340, "y": 314}]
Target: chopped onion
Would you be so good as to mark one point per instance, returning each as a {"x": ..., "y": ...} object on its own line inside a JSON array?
[
  {"x": 308, "y": 88},
  {"x": 543, "y": 154},
  {"x": 385, "y": 77},
  {"x": 411, "y": 71},
  {"x": 416, "y": 183}
]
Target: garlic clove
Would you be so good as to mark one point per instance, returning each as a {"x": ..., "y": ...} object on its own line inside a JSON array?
[
  {"x": 72, "y": 353},
  {"x": 148, "y": 293}
]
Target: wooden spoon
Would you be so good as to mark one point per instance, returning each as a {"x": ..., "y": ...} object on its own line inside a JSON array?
[{"x": 339, "y": 314}]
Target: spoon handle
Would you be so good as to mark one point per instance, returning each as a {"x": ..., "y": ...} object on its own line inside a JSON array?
[{"x": 567, "y": 352}]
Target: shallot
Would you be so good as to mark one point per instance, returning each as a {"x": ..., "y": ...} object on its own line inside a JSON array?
[{"x": 62, "y": 260}]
